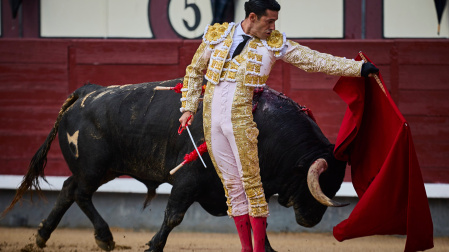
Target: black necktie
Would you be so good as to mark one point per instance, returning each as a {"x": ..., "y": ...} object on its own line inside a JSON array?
[{"x": 240, "y": 47}]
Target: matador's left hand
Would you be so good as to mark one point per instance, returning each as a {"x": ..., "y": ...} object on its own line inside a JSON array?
[{"x": 368, "y": 70}]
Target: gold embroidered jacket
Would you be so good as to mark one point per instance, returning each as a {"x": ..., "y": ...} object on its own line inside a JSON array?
[{"x": 253, "y": 65}]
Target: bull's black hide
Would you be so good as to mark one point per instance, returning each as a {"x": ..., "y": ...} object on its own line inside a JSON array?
[{"x": 105, "y": 132}]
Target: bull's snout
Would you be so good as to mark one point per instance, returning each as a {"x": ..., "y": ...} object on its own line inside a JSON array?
[{"x": 309, "y": 218}]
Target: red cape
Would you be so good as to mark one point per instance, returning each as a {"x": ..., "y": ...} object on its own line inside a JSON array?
[{"x": 376, "y": 140}]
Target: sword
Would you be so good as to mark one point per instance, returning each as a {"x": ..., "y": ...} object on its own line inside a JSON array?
[{"x": 191, "y": 138}]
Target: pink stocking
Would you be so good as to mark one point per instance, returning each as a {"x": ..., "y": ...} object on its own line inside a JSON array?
[
  {"x": 259, "y": 225},
  {"x": 243, "y": 225}
]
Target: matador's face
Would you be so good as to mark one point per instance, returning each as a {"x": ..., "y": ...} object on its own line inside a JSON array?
[{"x": 263, "y": 26}]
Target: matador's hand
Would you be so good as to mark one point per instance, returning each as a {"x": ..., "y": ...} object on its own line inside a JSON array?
[
  {"x": 368, "y": 70},
  {"x": 183, "y": 119}
]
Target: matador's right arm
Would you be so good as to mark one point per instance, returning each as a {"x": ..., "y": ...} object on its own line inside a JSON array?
[{"x": 193, "y": 80}]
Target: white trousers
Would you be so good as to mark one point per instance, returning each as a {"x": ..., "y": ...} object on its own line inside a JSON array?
[{"x": 224, "y": 147}]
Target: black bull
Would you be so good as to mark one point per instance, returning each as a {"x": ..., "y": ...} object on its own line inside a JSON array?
[{"x": 106, "y": 132}]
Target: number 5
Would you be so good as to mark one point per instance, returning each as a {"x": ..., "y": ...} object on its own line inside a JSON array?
[
  {"x": 197, "y": 12},
  {"x": 188, "y": 18}
]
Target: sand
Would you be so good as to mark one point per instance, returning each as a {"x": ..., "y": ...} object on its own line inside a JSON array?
[{"x": 77, "y": 240}]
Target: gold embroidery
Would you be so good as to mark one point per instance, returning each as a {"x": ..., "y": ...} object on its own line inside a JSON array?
[
  {"x": 245, "y": 133},
  {"x": 275, "y": 39},
  {"x": 251, "y": 135},
  {"x": 245, "y": 71},
  {"x": 251, "y": 55},
  {"x": 249, "y": 66},
  {"x": 223, "y": 54},
  {"x": 212, "y": 76},
  {"x": 239, "y": 59},
  {"x": 314, "y": 61},
  {"x": 254, "y": 80},
  {"x": 208, "y": 94},
  {"x": 216, "y": 32},
  {"x": 217, "y": 64},
  {"x": 234, "y": 66},
  {"x": 193, "y": 79},
  {"x": 226, "y": 64},
  {"x": 215, "y": 69},
  {"x": 213, "y": 64},
  {"x": 228, "y": 42},
  {"x": 220, "y": 54},
  {"x": 252, "y": 67},
  {"x": 254, "y": 43}
]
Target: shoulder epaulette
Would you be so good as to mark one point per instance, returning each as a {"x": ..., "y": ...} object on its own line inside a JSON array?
[
  {"x": 276, "y": 41},
  {"x": 214, "y": 34}
]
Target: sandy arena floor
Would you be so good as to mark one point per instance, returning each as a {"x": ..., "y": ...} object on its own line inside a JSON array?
[{"x": 78, "y": 240}]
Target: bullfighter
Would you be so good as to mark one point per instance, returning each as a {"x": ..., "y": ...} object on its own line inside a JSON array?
[{"x": 238, "y": 58}]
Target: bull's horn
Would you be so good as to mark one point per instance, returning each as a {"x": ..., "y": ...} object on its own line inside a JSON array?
[{"x": 318, "y": 167}]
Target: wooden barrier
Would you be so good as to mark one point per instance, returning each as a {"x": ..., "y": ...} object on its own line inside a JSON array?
[{"x": 36, "y": 76}]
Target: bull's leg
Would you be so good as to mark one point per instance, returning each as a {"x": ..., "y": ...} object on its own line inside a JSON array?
[
  {"x": 63, "y": 202},
  {"x": 174, "y": 214},
  {"x": 83, "y": 197},
  {"x": 268, "y": 247}
]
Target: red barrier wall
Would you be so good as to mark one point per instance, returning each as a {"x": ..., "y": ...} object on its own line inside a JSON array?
[{"x": 36, "y": 76}]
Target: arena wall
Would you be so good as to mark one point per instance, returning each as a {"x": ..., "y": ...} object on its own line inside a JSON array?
[
  {"x": 37, "y": 75},
  {"x": 125, "y": 210}
]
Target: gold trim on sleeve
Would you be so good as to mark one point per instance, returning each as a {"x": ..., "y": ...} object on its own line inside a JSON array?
[
  {"x": 193, "y": 80},
  {"x": 313, "y": 61}
]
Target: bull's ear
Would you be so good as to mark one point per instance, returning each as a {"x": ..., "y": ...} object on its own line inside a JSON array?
[{"x": 313, "y": 178}]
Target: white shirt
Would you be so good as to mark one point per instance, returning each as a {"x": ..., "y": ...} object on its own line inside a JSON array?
[{"x": 237, "y": 38}]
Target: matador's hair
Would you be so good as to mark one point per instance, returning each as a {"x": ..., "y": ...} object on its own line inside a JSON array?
[{"x": 260, "y": 7}]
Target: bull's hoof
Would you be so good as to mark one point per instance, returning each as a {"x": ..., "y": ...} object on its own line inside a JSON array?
[
  {"x": 152, "y": 248},
  {"x": 269, "y": 249},
  {"x": 107, "y": 246},
  {"x": 40, "y": 242}
]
